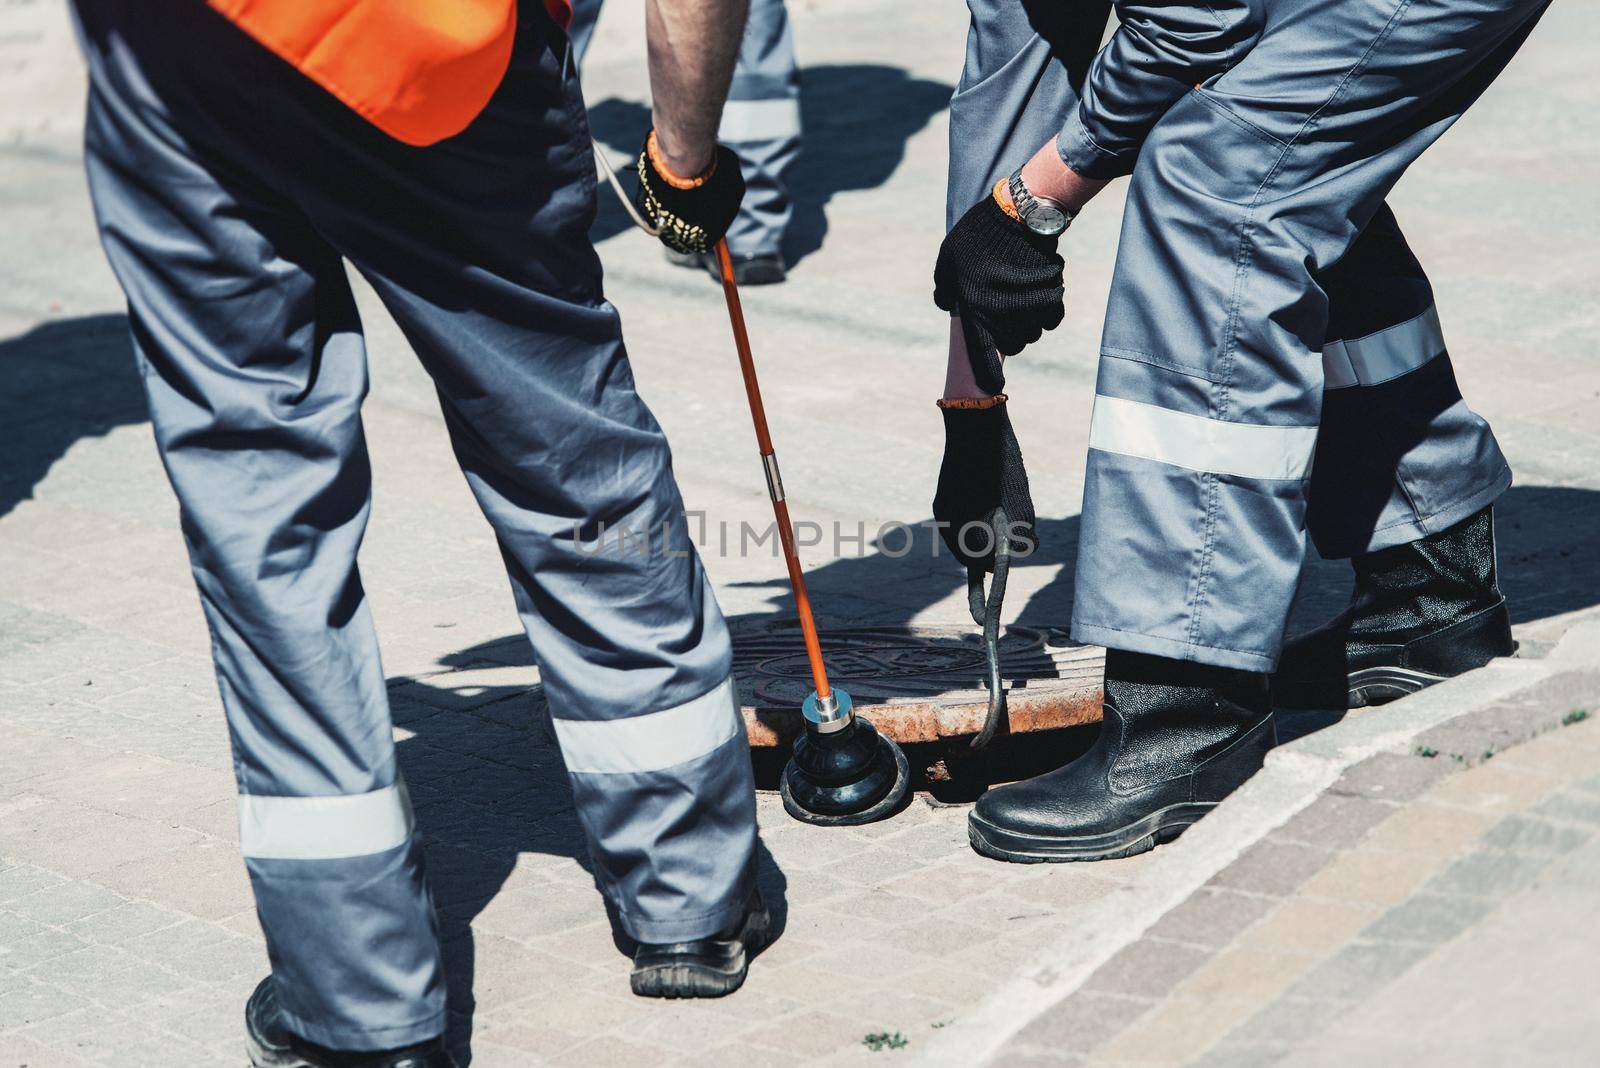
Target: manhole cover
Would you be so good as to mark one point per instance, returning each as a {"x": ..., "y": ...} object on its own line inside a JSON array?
[{"x": 916, "y": 684}]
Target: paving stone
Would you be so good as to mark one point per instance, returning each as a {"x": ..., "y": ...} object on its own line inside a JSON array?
[
  {"x": 808, "y": 1034},
  {"x": 1083, "y": 1021},
  {"x": 1285, "y": 1022},
  {"x": 65, "y": 902},
  {"x": 1569, "y": 807},
  {"x": 1171, "y": 1033},
  {"x": 1273, "y": 866},
  {"x": 23, "y": 951},
  {"x": 1240, "y": 1055},
  {"x": 1486, "y": 874},
  {"x": 1211, "y": 917},
  {"x": 1393, "y": 777},
  {"x": 1357, "y": 971},
  {"x": 26, "y": 1002},
  {"x": 1431, "y": 829},
  {"x": 1526, "y": 834},
  {"x": 1371, "y": 876},
  {"x": 1146, "y": 968},
  {"x": 1308, "y": 926},
  {"x": 1336, "y": 820},
  {"x": 1243, "y": 974},
  {"x": 1496, "y": 787},
  {"x": 1427, "y": 919}
]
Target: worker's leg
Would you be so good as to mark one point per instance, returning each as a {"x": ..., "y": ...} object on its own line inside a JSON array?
[
  {"x": 761, "y": 123},
  {"x": 1025, "y": 62},
  {"x": 480, "y": 249},
  {"x": 252, "y": 359},
  {"x": 1402, "y": 483},
  {"x": 1399, "y": 453},
  {"x": 1209, "y": 396},
  {"x": 1211, "y": 377}
]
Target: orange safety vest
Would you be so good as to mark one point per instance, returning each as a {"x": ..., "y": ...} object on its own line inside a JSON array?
[{"x": 419, "y": 70}]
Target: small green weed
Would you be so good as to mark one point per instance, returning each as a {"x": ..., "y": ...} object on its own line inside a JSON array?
[
  {"x": 883, "y": 1040},
  {"x": 1577, "y": 715}
]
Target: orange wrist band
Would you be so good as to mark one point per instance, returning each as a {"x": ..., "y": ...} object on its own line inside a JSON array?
[
  {"x": 977, "y": 404},
  {"x": 1002, "y": 197},
  {"x": 675, "y": 180}
]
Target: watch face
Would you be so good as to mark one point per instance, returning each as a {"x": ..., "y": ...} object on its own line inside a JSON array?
[{"x": 1045, "y": 219}]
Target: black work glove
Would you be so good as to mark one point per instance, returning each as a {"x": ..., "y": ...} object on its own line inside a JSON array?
[
  {"x": 692, "y": 214},
  {"x": 1004, "y": 281},
  {"x": 982, "y": 471}
]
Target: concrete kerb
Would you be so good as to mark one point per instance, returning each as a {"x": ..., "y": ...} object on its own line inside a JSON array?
[{"x": 1295, "y": 775}]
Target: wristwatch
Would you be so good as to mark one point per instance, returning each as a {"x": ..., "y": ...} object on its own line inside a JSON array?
[{"x": 1042, "y": 215}]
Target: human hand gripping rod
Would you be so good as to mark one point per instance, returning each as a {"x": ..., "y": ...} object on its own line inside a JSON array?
[{"x": 843, "y": 772}]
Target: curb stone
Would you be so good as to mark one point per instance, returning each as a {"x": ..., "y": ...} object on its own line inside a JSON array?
[{"x": 1296, "y": 775}]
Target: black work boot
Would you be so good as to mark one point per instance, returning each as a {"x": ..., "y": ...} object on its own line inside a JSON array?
[
  {"x": 272, "y": 1045},
  {"x": 749, "y": 268},
  {"x": 1177, "y": 738},
  {"x": 703, "y": 967},
  {"x": 1421, "y": 612}
]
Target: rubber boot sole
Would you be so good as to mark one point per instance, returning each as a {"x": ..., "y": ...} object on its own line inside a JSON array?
[
  {"x": 1364, "y": 688},
  {"x": 1138, "y": 837},
  {"x": 704, "y": 979},
  {"x": 263, "y": 1056}
]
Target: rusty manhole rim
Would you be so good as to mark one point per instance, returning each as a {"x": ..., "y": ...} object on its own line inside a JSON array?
[{"x": 1051, "y": 683}]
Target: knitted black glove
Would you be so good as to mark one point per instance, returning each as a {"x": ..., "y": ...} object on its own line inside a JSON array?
[
  {"x": 982, "y": 471},
  {"x": 691, "y": 213},
  {"x": 1004, "y": 281}
]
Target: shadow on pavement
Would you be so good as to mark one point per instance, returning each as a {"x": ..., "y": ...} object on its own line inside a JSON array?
[
  {"x": 487, "y": 785},
  {"x": 856, "y": 119},
  {"x": 60, "y": 382}
]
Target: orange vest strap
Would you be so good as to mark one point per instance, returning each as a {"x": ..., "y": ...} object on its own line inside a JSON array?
[{"x": 419, "y": 70}]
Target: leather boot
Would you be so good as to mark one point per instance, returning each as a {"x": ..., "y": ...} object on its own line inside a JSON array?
[
  {"x": 1177, "y": 738},
  {"x": 703, "y": 967},
  {"x": 1421, "y": 613},
  {"x": 270, "y": 1044}
]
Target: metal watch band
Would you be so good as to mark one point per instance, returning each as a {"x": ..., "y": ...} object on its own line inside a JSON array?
[{"x": 1026, "y": 202}]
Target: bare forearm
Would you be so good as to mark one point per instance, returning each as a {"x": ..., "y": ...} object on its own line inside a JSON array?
[
  {"x": 1045, "y": 175},
  {"x": 692, "y": 46}
]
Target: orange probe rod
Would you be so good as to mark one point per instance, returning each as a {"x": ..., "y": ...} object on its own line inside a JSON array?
[{"x": 769, "y": 462}]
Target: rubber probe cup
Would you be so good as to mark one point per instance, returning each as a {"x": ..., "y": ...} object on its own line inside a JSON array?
[{"x": 843, "y": 772}]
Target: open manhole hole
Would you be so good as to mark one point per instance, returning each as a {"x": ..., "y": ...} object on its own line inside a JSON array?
[{"x": 916, "y": 683}]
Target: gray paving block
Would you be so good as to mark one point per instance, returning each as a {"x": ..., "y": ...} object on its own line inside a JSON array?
[
  {"x": 1394, "y": 777},
  {"x": 1336, "y": 820},
  {"x": 1357, "y": 971},
  {"x": 1427, "y": 919},
  {"x": 1285, "y": 1021},
  {"x": 1146, "y": 968},
  {"x": 1571, "y": 806},
  {"x": 1273, "y": 866},
  {"x": 1529, "y": 834},
  {"x": 1211, "y": 917},
  {"x": 1487, "y": 874},
  {"x": 1082, "y": 1022},
  {"x": 1242, "y": 1055}
]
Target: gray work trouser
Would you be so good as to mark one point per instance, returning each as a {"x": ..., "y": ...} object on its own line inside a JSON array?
[
  {"x": 760, "y": 122},
  {"x": 229, "y": 191},
  {"x": 1271, "y": 355}
]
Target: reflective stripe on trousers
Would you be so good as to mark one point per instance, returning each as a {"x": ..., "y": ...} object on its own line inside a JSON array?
[{"x": 228, "y": 224}]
